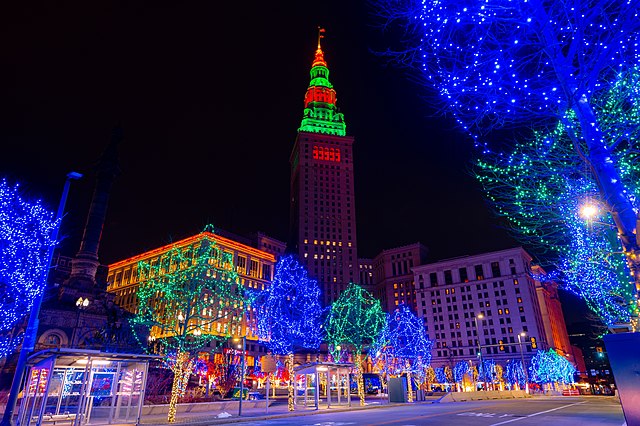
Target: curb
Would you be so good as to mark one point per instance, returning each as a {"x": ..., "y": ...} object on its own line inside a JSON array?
[{"x": 228, "y": 420}]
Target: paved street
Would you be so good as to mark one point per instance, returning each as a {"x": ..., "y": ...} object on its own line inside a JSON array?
[{"x": 554, "y": 411}]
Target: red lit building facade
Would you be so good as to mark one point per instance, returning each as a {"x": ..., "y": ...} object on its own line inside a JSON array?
[{"x": 323, "y": 221}]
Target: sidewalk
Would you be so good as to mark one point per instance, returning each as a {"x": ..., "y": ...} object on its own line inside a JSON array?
[{"x": 276, "y": 411}]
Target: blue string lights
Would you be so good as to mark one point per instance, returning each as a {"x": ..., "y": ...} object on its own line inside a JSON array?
[
  {"x": 514, "y": 373},
  {"x": 26, "y": 230},
  {"x": 577, "y": 95},
  {"x": 459, "y": 370},
  {"x": 403, "y": 344},
  {"x": 289, "y": 314},
  {"x": 550, "y": 367}
]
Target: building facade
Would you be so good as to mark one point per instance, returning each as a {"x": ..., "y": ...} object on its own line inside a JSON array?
[
  {"x": 255, "y": 269},
  {"x": 323, "y": 219},
  {"x": 481, "y": 303},
  {"x": 392, "y": 278}
]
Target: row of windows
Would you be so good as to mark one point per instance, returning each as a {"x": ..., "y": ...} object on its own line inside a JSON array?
[{"x": 463, "y": 274}]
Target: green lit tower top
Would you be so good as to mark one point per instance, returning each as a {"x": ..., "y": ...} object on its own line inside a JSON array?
[{"x": 320, "y": 111}]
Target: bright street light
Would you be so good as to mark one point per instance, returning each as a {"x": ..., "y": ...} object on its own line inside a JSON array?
[{"x": 588, "y": 211}]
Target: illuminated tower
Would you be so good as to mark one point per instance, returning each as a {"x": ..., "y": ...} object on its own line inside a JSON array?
[{"x": 323, "y": 220}]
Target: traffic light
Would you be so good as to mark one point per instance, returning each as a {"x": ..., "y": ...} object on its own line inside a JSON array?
[
  {"x": 501, "y": 345},
  {"x": 534, "y": 345}
]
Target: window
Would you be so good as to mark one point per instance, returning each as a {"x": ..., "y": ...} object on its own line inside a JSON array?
[
  {"x": 479, "y": 272},
  {"x": 495, "y": 269},
  {"x": 448, "y": 279},
  {"x": 463, "y": 275},
  {"x": 241, "y": 265},
  {"x": 433, "y": 279},
  {"x": 253, "y": 268}
]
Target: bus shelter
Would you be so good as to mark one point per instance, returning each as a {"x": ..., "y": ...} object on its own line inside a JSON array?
[
  {"x": 324, "y": 379},
  {"x": 83, "y": 387}
]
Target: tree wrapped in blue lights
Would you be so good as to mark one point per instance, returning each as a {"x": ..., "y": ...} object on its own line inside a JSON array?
[
  {"x": 548, "y": 367},
  {"x": 441, "y": 377},
  {"x": 355, "y": 320},
  {"x": 26, "y": 235},
  {"x": 501, "y": 64},
  {"x": 487, "y": 371},
  {"x": 514, "y": 373},
  {"x": 404, "y": 341},
  {"x": 459, "y": 370},
  {"x": 543, "y": 193},
  {"x": 289, "y": 314}
]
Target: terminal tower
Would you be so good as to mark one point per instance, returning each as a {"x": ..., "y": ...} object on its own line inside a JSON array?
[{"x": 323, "y": 219}]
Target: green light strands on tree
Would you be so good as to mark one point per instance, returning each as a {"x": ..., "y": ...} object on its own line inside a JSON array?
[
  {"x": 321, "y": 114},
  {"x": 355, "y": 320},
  {"x": 188, "y": 297}
]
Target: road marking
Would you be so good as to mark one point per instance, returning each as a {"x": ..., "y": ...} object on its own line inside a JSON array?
[
  {"x": 474, "y": 414},
  {"x": 421, "y": 417},
  {"x": 538, "y": 413}
]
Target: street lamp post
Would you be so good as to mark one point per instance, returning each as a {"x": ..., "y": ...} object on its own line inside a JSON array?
[
  {"x": 244, "y": 356},
  {"x": 81, "y": 303},
  {"x": 30, "y": 335},
  {"x": 475, "y": 320},
  {"x": 526, "y": 378}
]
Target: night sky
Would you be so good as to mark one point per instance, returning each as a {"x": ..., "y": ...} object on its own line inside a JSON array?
[{"x": 210, "y": 95}]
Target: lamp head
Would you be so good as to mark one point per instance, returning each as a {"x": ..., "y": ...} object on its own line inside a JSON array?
[{"x": 74, "y": 175}]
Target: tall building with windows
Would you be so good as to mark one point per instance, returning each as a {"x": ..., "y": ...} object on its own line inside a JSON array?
[
  {"x": 323, "y": 219},
  {"x": 390, "y": 275},
  {"x": 482, "y": 303},
  {"x": 255, "y": 268}
]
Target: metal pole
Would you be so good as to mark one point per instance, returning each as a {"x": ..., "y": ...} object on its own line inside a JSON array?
[
  {"x": 475, "y": 319},
  {"x": 244, "y": 352},
  {"x": 524, "y": 369},
  {"x": 267, "y": 394},
  {"x": 30, "y": 335}
]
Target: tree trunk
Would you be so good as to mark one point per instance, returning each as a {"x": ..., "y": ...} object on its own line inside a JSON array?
[
  {"x": 359, "y": 378},
  {"x": 611, "y": 188},
  {"x": 291, "y": 381},
  {"x": 180, "y": 376}
]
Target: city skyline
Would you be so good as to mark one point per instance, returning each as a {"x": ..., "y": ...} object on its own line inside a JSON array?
[{"x": 407, "y": 187}]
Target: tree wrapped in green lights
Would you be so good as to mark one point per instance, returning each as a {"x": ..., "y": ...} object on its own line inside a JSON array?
[
  {"x": 26, "y": 236},
  {"x": 289, "y": 314},
  {"x": 181, "y": 297},
  {"x": 403, "y": 345},
  {"x": 583, "y": 78},
  {"x": 355, "y": 320}
]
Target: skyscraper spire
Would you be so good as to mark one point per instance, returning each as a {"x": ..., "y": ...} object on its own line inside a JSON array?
[
  {"x": 320, "y": 111},
  {"x": 320, "y": 36}
]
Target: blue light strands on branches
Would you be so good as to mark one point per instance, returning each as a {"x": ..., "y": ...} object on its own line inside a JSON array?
[
  {"x": 478, "y": 55},
  {"x": 26, "y": 230},
  {"x": 404, "y": 341},
  {"x": 514, "y": 373},
  {"x": 550, "y": 367},
  {"x": 289, "y": 313},
  {"x": 459, "y": 370}
]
